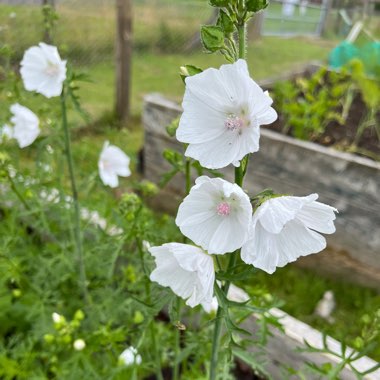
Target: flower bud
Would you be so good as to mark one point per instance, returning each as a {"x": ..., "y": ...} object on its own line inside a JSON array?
[{"x": 79, "y": 344}]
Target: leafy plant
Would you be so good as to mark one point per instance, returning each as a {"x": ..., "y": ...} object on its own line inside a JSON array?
[{"x": 308, "y": 105}]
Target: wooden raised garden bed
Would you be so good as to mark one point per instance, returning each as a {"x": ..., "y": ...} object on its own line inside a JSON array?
[{"x": 346, "y": 181}]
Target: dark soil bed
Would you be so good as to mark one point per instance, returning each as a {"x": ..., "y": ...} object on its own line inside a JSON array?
[{"x": 342, "y": 137}]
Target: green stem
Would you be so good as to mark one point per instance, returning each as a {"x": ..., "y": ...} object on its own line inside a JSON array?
[
  {"x": 18, "y": 194},
  {"x": 177, "y": 337},
  {"x": 152, "y": 326},
  {"x": 77, "y": 231},
  {"x": 239, "y": 176},
  {"x": 242, "y": 37}
]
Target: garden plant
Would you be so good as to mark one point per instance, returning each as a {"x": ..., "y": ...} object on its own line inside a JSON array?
[{"x": 118, "y": 291}]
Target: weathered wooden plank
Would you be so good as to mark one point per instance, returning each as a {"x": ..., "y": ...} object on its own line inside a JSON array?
[{"x": 346, "y": 181}]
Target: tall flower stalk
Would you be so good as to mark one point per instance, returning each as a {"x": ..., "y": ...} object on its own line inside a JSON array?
[
  {"x": 239, "y": 178},
  {"x": 76, "y": 216}
]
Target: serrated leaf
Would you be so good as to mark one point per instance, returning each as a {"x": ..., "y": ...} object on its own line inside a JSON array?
[
  {"x": 249, "y": 359},
  {"x": 212, "y": 37},
  {"x": 256, "y": 5}
]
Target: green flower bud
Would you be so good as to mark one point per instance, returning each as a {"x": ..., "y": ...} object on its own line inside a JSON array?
[
  {"x": 16, "y": 293},
  {"x": 49, "y": 338},
  {"x": 79, "y": 315},
  {"x": 148, "y": 189},
  {"x": 138, "y": 317}
]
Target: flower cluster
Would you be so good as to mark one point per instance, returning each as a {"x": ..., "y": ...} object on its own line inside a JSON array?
[
  {"x": 43, "y": 70},
  {"x": 223, "y": 111}
]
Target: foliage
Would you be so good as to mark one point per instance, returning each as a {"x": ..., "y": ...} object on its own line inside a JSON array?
[
  {"x": 48, "y": 328},
  {"x": 308, "y": 105}
]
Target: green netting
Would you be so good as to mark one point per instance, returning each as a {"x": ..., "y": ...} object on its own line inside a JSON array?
[
  {"x": 342, "y": 54},
  {"x": 369, "y": 54}
]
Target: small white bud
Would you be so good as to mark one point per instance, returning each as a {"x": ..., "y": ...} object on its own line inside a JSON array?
[
  {"x": 130, "y": 356},
  {"x": 79, "y": 344},
  {"x": 57, "y": 318}
]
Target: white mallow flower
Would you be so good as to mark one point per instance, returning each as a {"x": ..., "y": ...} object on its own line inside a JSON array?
[
  {"x": 215, "y": 215},
  {"x": 130, "y": 356},
  {"x": 285, "y": 228},
  {"x": 25, "y": 125},
  {"x": 43, "y": 71},
  {"x": 222, "y": 113},
  {"x": 113, "y": 162},
  {"x": 187, "y": 270}
]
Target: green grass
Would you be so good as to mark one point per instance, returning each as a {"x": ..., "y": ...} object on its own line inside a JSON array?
[{"x": 160, "y": 72}]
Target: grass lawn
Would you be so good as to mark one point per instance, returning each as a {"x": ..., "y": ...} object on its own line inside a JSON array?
[{"x": 268, "y": 57}]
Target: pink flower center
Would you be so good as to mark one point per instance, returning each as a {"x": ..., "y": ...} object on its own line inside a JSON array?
[
  {"x": 223, "y": 209},
  {"x": 233, "y": 123},
  {"x": 52, "y": 69}
]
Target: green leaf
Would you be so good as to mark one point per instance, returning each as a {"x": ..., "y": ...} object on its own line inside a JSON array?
[
  {"x": 219, "y": 3},
  {"x": 225, "y": 22},
  {"x": 256, "y": 5},
  {"x": 251, "y": 360},
  {"x": 212, "y": 37},
  {"x": 188, "y": 71}
]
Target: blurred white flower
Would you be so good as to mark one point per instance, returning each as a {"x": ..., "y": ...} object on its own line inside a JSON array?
[
  {"x": 57, "y": 318},
  {"x": 79, "y": 344},
  {"x": 285, "y": 228},
  {"x": 113, "y": 162},
  {"x": 43, "y": 71},
  {"x": 130, "y": 356},
  {"x": 25, "y": 123},
  {"x": 12, "y": 15},
  {"x": 215, "y": 215},
  {"x": 222, "y": 113},
  {"x": 6, "y": 133},
  {"x": 187, "y": 270},
  {"x": 52, "y": 196},
  {"x": 326, "y": 306}
]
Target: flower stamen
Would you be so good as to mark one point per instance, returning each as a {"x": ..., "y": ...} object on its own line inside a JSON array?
[
  {"x": 223, "y": 209},
  {"x": 233, "y": 122},
  {"x": 52, "y": 69}
]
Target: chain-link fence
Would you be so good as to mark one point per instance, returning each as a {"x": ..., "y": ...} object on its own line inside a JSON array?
[{"x": 85, "y": 30}]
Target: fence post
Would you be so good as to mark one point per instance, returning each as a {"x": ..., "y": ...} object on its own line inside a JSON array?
[
  {"x": 123, "y": 58},
  {"x": 255, "y": 26},
  {"x": 326, "y": 5}
]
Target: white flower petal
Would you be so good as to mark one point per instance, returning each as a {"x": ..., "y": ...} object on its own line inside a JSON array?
[
  {"x": 276, "y": 212},
  {"x": 223, "y": 110},
  {"x": 280, "y": 232},
  {"x": 113, "y": 162},
  {"x": 216, "y": 215},
  {"x": 43, "y": 71},
  {"x": 186, "y": 269},
  {"x": 318, "y": 217},
  {"x": 25, "y": 125}
]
